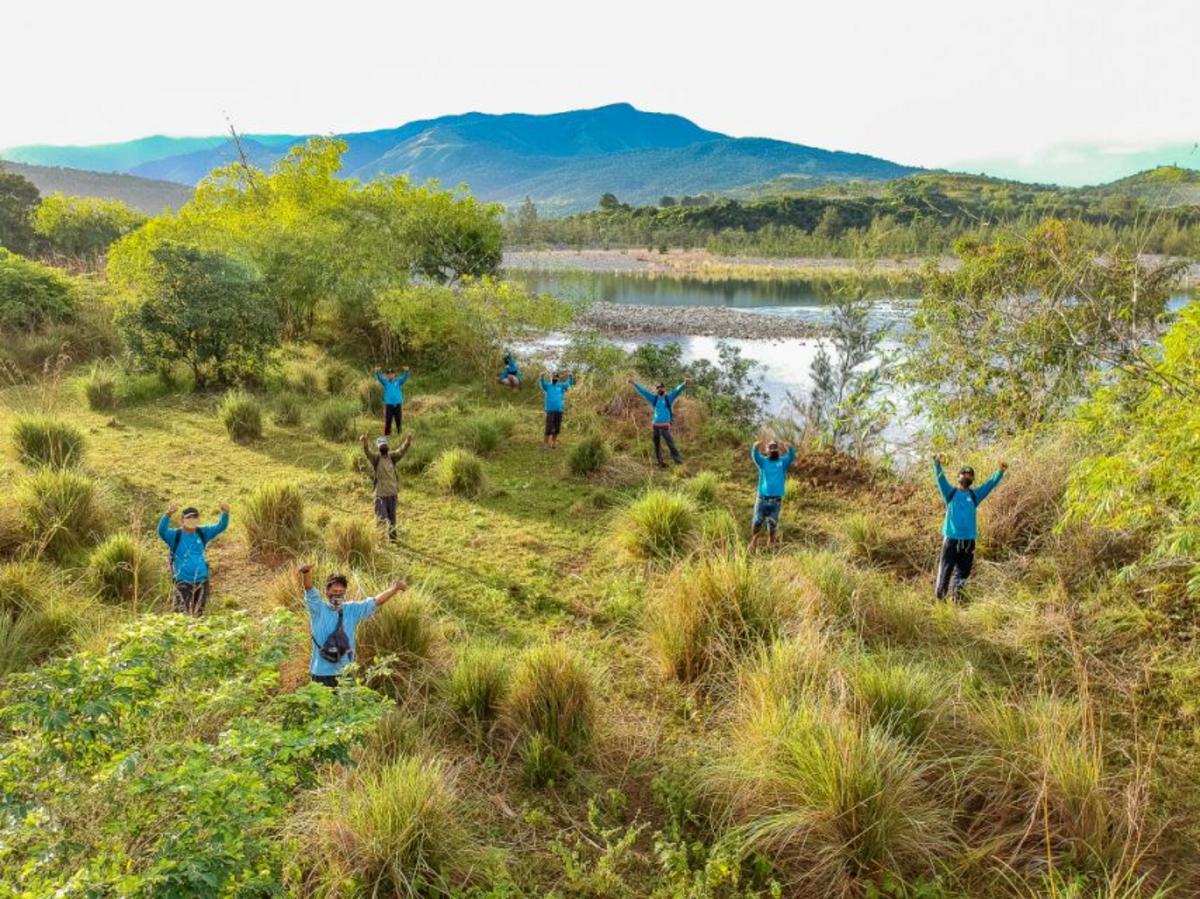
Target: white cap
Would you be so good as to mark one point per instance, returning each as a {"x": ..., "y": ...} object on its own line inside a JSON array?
[{"x": 381, "y": 441}]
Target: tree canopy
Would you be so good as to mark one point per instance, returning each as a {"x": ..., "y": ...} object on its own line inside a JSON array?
[{"x": 83, "y": 227}]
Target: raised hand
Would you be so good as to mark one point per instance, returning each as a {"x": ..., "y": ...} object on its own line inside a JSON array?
[
  {"x": 224, "y": 507},
  {"x": 1003, "y": 465},
  {"x": 172, "y": 509},
  {"x": 306, "y": 568},
  {"x": 399, "y": 584},
  {"x": 937, "y": 457}
]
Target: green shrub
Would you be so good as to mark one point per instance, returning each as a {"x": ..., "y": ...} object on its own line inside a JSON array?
[
  {"x": 485, "y": 432},
  {"x": 289, "y": 409},
  {"x": 338, "y": 378},
  {"x": 587, "y": 456},
  {"x": 865, "y": 538},
  {"x": 32, "y": 295},
  {"x": 704, "y": 489},
  {"x": 407, "y": 627},
  {"x": 305, "y": 380},
  {"x": 391, "y": 829},
  {"x": 42, "y": 441},
  {"x": 903, "y": 699},
  {"x": 551, "y": 695},
  {"x": 336, "y": 419},
  {"x": 460, "y": 472},
  {"x": 370, "y": 396},
  {"x": 274, "y": 517},
  {"x": 719, "y": 531},
  {"x": 478, "y": 683},
  {"x": 122, "y": 570},
  {"x": 352, "y": 540},
  {"x": 24, "y": 587},
  {"x": 61, "y": 510},
  {"x": 241, "y": 414},
  {"x": 658, "y": 525},
  {"x": 100, "y": 389},
  {"x": 712, "y": 611},
  {"x": 417, "y": 460},
  {"x": 30, "y": 637}
]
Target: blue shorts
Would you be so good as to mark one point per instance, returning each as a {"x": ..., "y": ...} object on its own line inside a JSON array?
[{"x": 767, "y": 510}]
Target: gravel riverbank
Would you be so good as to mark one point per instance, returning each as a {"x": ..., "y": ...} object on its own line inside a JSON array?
[{"x": 707, "y": 321}]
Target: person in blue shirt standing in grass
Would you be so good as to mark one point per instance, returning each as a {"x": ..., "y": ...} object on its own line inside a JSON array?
[
  {"x": 663, "y": 404},
  {"x": 555, "y": 390},
  {"x": 510, "y": 374},
  {"x": 333, "y": 622},
  {"x": 772, "y": 484},
  {"x": 393, "y": 396},
  {"x": 958, "y": 528},
  {"x": 189, "y": 566}
]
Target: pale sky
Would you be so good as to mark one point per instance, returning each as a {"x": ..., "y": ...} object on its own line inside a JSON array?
[{"x": 927, "y": 82}]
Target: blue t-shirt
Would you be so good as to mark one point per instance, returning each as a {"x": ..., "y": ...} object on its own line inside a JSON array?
[
  {"x": 510, "y": 370},
  {"x": 772, "y": 473},
  {"x": 189, "y": 564},
  {"x": 393, "y": 388},
  {"x": 554, "y": 391},
  {"x": 323, "y": 622},
  {"x": 959, "y": 523},
  {"x": 660, "y": 404}
]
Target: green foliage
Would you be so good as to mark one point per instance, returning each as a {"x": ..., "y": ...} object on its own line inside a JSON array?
[
  {"x": 61, "y": 510},
  {"x": 100, "y": 389},
  {"x": 902, "y": 699},
  {"x": 220, "y": 754},
  {"x": 336, "y": 420},
  {"x": 588, "y": 456},
  {"x": 31, "y": 637},
  {"x": 198, "y": 306},
  {"x": 241, "y": 413},
  {"x": 478, "y": 683},
  {"x": 370, "y": 396},
  {"x": 121, "y": 570},
  {"x": 352, "y": 540},
  {"x": 551, "y": 708},
  {"x": 659, "y": 525},
  {"x": 33, "y": 296},
  {"x": 406, "y": 628},
  {"x": 730, "y": 388},
  {"x": 83, "y": 227},
  {"x": 486, "y": 432},
  {"x": 338, "y": 378},
  {"x": 460, "y": 472},
  {"x": 289, "y": 409},
  {"x": 704, "y": 488},
  {"x": 274, "y": 518},
  {"x": 18, "y": 200},
  {"x": 48, "y": 442}
]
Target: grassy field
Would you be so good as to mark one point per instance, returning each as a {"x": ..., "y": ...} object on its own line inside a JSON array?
[{"x": 801, "y": 723}]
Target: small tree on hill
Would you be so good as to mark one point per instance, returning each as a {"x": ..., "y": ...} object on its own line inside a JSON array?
[
  {"x": 83, "y": 227},
  {"x": 609, "y": 202},
  {"x": 18, "y": 199}
]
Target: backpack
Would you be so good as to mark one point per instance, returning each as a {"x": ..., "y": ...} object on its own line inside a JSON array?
[
  {"x": 175, "y": 546},
  {"x": 336, "y": 645},
  {"x": 970, "y": 490}
]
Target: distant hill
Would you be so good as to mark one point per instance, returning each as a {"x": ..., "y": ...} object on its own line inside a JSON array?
[
  {"x": 564, "y": 161},
  {"x": 1166, "y": 185},
  {"x": 150, "y": 196},
  {"x": 124, "y": 156}
]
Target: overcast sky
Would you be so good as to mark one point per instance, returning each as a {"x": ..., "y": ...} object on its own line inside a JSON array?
[{"x": 928, "y": 82}]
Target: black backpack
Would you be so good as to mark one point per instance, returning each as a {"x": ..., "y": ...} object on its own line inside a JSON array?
[
  {"x": 336, "y": 645},
  {"x": 175, "y": 546},
  {"x": 970, "y": 490}
]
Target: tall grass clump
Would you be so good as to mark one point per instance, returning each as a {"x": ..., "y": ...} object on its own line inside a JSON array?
[
  {"x": 121, "y": 570},
  {"x": 351, "y": 540},
  {"x": 551, "y": 709},
  {"x": 61, "y": 511},
  {"x": 658, "y": 525},
  {"x": 100, "y": 389},
  {"x": 370, "y": 396},
  {"x": 865, "y": 538},
  {"x": 587, "y": 456},
  {"x": 335, "y": 420},
  {"x": 485, "y": 432},
  {"x": 407, "y": 628},
  {"x": 41, "y": 441},
  {"x": 478, "y": 683},
  {"x": 390, "y": 829},
  {"x": 704, "y": 489},
  {"x": 833, "y": 584},
  {"x": 29, "y": 638},
  {"x": 25, "y": 587},
  {"x": 460, "y": 472},
  {"x": 708, "y": 613},
  {"x": 274, "y": 518},
  {"x": 904, "y": 699},
  {"x": 289, "y": 409},
  {"x": 338, "y": 378},
  {"x": 832, "y": 801},
  {"x": 241, "y": 414}
]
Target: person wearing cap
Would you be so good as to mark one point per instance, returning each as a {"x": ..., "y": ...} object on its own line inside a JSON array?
[
  {"x": 772, "y": 484},
  {"x": 662, "y": 403},
  {"x": 510, "y": 374},
  {"x": 959, "y": 527},
  {"x": 393, "y": 396},
  {"x": 189, "y": 566},
  {"x": 555, "y": 390},
  {"x": 387, "y": 482},
  {"x": 329, "y": 614}
]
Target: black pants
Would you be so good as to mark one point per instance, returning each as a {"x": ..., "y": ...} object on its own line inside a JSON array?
[
  {"x": 188, "y": 598},
  {"x": 328, "y": 680},
  {"x": 661, "y": 434},
  {"x": 392, "y": 412},
  {"x": 385, "y": 510},
  {"x": 553, "y": 423},
  {"x": 954, "y": 567}
]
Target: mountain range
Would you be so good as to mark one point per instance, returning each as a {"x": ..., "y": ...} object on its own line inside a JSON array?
[{"x": 563, "y": 161}]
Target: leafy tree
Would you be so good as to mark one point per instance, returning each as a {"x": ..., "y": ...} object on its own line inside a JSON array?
[
  {"x": 202, "y": 307},
  {"x": 730, "y": 388},
  {"x": 1010, "y": 339},
  {"x": 667, "y": 202},
  {"x": 830, "y": 223},
  {"x": 83, "y": 227},
  {"x": 18, "y": 199},
  {"x": 525, "y": 229},
  {"x": 33, "y": 295},
  {"x": 609, "y": 202}
]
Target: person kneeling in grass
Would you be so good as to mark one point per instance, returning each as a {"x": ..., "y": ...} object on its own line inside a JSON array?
[
  {"x": 510, "y": 374},
  {"x": 333, "y": 622},
  {"x": 387, "y": 481},
  {"x": 554, "y": 389},
  {"x": 189, "y": 566},
  {"x": 662, "y": 403},
  {"x": 958, "y": 527},
  {"x": 393, "y": 396},
  {"x": 772, "y": 484}
]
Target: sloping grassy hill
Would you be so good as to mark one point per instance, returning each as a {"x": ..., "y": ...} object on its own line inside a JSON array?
[{"x": 145, "y": 194}]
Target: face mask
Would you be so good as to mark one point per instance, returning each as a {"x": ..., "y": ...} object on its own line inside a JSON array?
[
  {"x": 383, "y": 451},
  {"x": 774, "y": 454},
  {"x": 336, "y": 602},
  {"x": 661, "y": 391},
  {"x": 554, "y": 380},
  {"x": 965, "y": 481}
]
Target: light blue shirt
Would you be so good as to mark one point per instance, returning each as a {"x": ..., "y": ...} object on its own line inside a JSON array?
[
  {"x": 323, "y": 622},
  {"x": 188, "y": 563},
  {"x": 772, "y": 473},
  {"x": 554, "y": 391},
  {"x": 393, "y": 388},
  {"x": 660, "y": 404},
  {"x": 959, "y": 523}
]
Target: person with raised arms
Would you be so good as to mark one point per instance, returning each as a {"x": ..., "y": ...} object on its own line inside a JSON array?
[
  {"x": 393, "y": 396},
  {"x": 772, "y": 484},
  {"x": 510, "y": 375},
  {"x": 186, "y": 546},
  {"x": 663, "y": 404},
  {"x": 333, "y": 622},
  {"x": 555, "y": 390},
  {"x": 387, "y": 481},
  {"x": 959, "y": 526}
]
